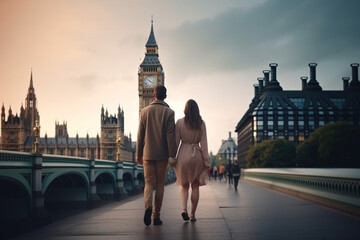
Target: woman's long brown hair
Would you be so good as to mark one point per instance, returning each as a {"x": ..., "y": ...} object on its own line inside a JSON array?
[{"x": 192, "y": 115}]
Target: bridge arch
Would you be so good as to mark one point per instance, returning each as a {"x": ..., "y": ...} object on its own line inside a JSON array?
[
  {"x": 15, "y": 198},
  {"x": 105, "y": 184},
  {"x": 128, "y": 181},
  {"x": 48, "y": 178},
  {"x": 141, "y": 180},
  {"x": 66, "y": 188}
]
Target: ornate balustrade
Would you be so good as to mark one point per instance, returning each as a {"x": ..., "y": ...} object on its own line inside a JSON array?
[{"x": 337, "y": 185}]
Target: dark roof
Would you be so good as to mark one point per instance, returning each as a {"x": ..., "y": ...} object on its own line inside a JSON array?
[
  {"x": 301, "y": 100},
  {"x": 151, "y": 42},
  {"x": 60, "y": 141},
  {"x": 226, "y": 144},
  {"x": 150, "y": 60}
]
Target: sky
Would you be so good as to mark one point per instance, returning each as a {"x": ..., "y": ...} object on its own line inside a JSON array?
[{"x": 85, "y": 54}]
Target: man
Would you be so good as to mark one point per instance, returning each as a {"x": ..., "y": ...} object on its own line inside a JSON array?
[
  {"x": 236, "y": 171},
  {"x": 155, "y": 145}
]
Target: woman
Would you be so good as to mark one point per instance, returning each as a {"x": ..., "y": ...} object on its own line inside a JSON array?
[{"x": 192, "y": 160}]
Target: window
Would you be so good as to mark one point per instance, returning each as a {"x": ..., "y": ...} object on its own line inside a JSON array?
[
  {"x": 298, "y": 102},
  {"x": 260, "y": 123},
  {"x": 301, "y": 123},
  {"x": 280, "y": 123},
  {"x": 291, "y": 122},
  {"x": 259, "y": 136},
  {"x": 270, "y": 122},
  {"x": 301, "y": 137},
  {"x": 291, "y": 136},
  {"x": 12, "y": 136},
  {"x": 110, "y": 135},
  {"x": 311, "y": 125},
  {"x": 270, "y": 135},
  {"x": 110, "y": 154},
  {"x": 82, "y": 152},
  {"x": 338, "y": 102},
  {"x": 92, "y": 153}
]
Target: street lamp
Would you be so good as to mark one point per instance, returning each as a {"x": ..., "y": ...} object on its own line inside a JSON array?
[
  {"x": 36, "y": 130},
  {"x": 118, "y": 141}
]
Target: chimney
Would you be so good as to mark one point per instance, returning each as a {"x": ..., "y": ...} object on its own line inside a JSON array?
[
  {"x": 266, "y": 77},
  {"x": 312, "y": 71},
  {"x": 355, "y": 83},
  {"x": 313, "y": 84},
  {"x": 304, "y": 82},
  {"x": 229, "y": 135},
  {"x": 355, "y": 76},
  {"x": 273, "y": 71},
  {"x": 261, "y": 84},
  {"x": 256, "y": 90},
  {"x": 346, "y": 83}
]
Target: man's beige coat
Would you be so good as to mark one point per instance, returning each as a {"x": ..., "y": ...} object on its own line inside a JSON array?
[{"x": 156, "y": 132}]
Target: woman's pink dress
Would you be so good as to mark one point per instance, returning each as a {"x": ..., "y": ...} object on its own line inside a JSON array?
[{"x": 192, "y": 157}]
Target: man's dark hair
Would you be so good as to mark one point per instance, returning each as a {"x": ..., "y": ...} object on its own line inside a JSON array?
[{"x": 160, "y": 92}]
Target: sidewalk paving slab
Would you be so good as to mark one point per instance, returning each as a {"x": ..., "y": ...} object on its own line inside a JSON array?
[{"x": 253, "y": 212}]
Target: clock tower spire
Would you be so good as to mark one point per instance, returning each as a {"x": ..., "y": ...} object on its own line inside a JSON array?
[{"x": 151, "y": 73}]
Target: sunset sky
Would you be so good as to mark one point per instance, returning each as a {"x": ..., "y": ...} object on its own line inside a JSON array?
[{"x": 86, "y": 53}]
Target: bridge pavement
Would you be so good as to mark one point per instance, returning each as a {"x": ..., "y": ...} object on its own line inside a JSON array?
[{"x": 253, "y": 212}]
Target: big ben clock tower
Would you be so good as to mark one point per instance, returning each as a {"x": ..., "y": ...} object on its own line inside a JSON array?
[{"x": 150, "y": 73}]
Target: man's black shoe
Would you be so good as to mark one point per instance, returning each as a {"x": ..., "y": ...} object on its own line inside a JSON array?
[
  {"x": 147, "y": 216},
  {"x": 157, "y": 221}
]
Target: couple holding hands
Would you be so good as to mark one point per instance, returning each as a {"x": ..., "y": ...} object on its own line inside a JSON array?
[{"x": 184, "y": 145}]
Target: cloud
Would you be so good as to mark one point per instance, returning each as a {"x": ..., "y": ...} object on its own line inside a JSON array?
[{"x": 292, "y": 33}]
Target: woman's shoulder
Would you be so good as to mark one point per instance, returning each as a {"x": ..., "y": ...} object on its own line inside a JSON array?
[{"x": 180, "y": 121}]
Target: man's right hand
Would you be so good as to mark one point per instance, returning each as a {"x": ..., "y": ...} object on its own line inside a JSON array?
[{"x": 139, "y": 160}]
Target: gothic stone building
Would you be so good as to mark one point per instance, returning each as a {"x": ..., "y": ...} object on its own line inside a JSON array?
[
  {"x": 17, "y": 134},
  {"x": 294, "y": 115}
]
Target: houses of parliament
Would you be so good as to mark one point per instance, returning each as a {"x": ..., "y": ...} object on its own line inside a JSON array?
[{"x": 17, "y": 130}]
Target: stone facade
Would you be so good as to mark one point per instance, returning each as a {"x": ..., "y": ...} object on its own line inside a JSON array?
[{"x": 17, "y": 134}]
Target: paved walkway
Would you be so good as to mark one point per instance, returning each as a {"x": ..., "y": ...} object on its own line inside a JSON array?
[{"x": 253, "y": 212}]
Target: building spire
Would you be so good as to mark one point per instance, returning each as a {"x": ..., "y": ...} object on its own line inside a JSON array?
[
  {"x": 151, "y": 41},
  {"x": 31, "y": 81}
]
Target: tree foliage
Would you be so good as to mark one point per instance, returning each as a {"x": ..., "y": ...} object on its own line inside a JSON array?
[
  {"x": 333, "y": 145},
  {"x": 271, "y": 153}
]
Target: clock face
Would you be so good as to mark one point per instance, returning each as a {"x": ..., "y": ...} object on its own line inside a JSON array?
[{"x": 150, "y": 82}]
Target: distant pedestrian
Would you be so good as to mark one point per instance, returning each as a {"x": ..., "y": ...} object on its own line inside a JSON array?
[
  {"x": 155, "y": 144},
  {"x": 236, "y": 172},
  {"x": 221, "y": 171},
  {"x": 215, "y": 172},
  {"x": 193, "y": 161},
  {"x": 229, "y": 173}
]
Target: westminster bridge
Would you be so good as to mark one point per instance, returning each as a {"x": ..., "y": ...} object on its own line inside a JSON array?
[{"x": 32, "y": 183}]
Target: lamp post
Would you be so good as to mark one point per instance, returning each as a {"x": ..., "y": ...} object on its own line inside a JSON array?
[
  {"x": 118, "y": 141},
  {"x": 36, "y": 130}
]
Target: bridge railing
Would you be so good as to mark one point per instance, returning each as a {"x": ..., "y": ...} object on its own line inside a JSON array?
[
  {"x": 15, "y": 159},
  {"x": 329, "y": 186},
  {"x": 64, "y": 161}
]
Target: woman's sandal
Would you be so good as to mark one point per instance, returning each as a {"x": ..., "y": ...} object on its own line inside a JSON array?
[
  {"x": 185, "y": 216},
  {"x": 192, "y": 219}
]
